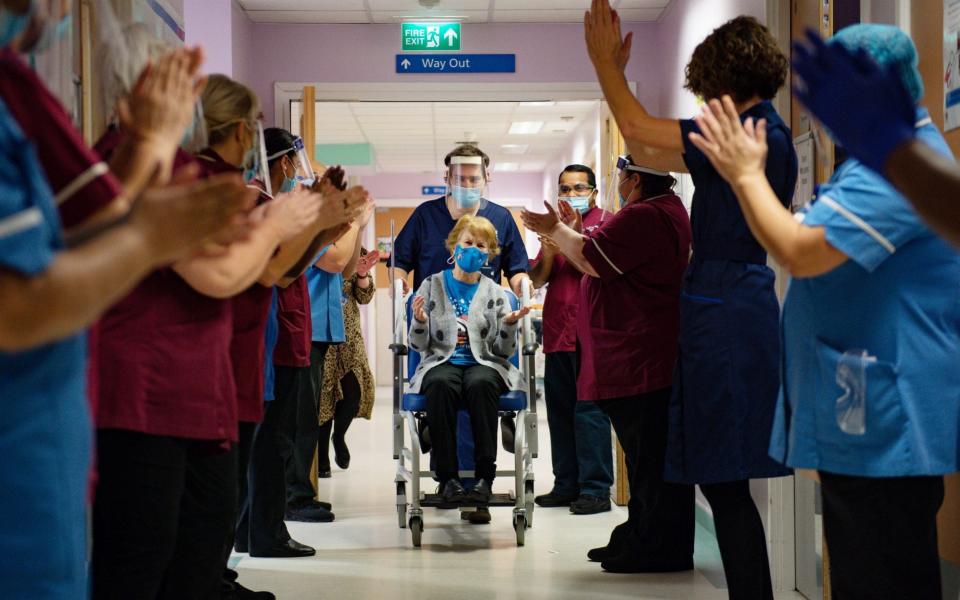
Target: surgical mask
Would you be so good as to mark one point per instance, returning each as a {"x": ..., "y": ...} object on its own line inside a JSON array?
[
  {"x": 305, "y": 182},
  {"x": 53, "y": 33},
  {"x": 580, "y": 204},
  {"x": 469, "y": 259},
  {"x": 12, "y": 24},
  {"x": 465, "y": 197}
]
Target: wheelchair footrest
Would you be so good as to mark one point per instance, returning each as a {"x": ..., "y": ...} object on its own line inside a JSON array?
[{"x": 435, "y": 500}]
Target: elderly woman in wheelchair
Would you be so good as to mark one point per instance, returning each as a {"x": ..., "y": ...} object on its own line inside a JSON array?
[{"x": 466, "y": 332}]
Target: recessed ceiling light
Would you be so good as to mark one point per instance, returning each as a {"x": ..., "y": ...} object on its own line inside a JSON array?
[
  {"x": 526, "y": 127},
  {"x": 537, "y": 104},
  {"x": 507, "y": 166},
  {"x": 514, "y": 148}
]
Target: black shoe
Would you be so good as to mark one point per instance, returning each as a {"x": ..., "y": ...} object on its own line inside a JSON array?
[
  {"x": 630, "y": 564},
  {"x": 238, "y": 592},
  {"x": 341, "y": 454},
  {"x": 553, "y": 500},
  {"x": 453, "y": 493},
  {"x": 508, "y": 432},
  {"x": 310, "y": 504},
  {"x": 291, "y": 549},
  {"x": 480, "y": 516},
  {"x": 590, "y": 505},
  {"x": 309, "y": 514},
  {"x": 241, "y": 547},
  {"x": 479, "y": 494},
  {"x": 601, "y": 554},
  {"x": 324, "y": 474}
]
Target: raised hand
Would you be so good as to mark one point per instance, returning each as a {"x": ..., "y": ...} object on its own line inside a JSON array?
[
  {"x": 516, "y": 315},
  {"x": 343, "y": 206},
  {"x": 602, "y": 30},
  {"x": 540, "y": 223},
  {"x": 179, "y": 219},
  {"x": 333, "y": 180},
  {"x": 367, "y": 262},
  {"x": 418, "y": 313},
  {"x": 364, "y": 217},
  {"x": 735, "y": 150},
  {"x": 291, "y": 213},
  {"x": 569, "y": 217}
]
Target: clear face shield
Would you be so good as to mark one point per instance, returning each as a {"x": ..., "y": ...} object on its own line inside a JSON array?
[
  {"x": 255, "y": 167},
  {"x": 466, "y": 181},
  {"x": 302, "y": 174},
  {"x": 617, "y": 194}
]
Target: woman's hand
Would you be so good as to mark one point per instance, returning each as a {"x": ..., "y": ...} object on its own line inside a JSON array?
[
  {"x": 418, "y": 313},
  {"x": 737, "y": 151},
  {"x": 333, "y": 180},
  {"x": 343, "y": 206},
  {"x": 605, "y": 44},
  {"x": 367, "y": 262},
  {"x": 516, "y": 315},
  {"x": 292, "y": 213},
  {"x": 540, "y": 223},
  {"x": 571, "y": 218},
  {"x": 549, "y": 248}
]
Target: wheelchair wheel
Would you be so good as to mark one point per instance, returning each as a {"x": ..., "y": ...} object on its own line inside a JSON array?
[
  {"x": 528, "y": 496},
  {"x": 520, "y": 526},
  {"x": 416, "y": 530}
]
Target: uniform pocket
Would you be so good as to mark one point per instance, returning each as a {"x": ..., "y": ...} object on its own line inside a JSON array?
[{"x": 861, "y": 406}]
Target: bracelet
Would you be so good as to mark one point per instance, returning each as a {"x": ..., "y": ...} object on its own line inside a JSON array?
[{"x": 367, "y": 276}]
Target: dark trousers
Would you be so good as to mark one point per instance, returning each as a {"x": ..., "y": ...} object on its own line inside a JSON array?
[
  {"x": 299, "y": 478},
  {"x": 882, "y": 536},
  {"x": 164, "y": 508},
  {"x": 260, "y": 526},
  {"x": 580, "y": 443},
  {"x": 241, "y": 450},
  {"x": 743, "y": 544},
  {"x": 343, "y": 415},
  {"x": 660, "y": 516},
  {"x": 476, "y": 388}
]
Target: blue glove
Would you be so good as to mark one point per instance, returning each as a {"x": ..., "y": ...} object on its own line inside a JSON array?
[{"x": 866, "y": 108}]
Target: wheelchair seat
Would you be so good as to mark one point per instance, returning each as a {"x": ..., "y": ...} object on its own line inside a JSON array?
[{"x": 510, "y": 401}]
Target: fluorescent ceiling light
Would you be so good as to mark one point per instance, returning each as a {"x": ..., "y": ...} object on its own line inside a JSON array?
[
  {"x": 526, "y": 127},
  {"x": 505, "y": 167},
  {"x": 537, "y": 104},
  {"x": 514, "y": 148}
]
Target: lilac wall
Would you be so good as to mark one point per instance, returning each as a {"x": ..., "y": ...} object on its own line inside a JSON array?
[
  {"x": 683, "y": 25},
  {"x": 209, "y": 24},
  {"x": 365, "y": 53}
]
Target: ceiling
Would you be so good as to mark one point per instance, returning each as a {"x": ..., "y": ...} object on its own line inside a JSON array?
[
  {"x": 414, "y": 137},
  {"x": 469, "y": 11}
]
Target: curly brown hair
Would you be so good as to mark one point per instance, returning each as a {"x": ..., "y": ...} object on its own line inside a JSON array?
[{"x": 740, "y": 58}]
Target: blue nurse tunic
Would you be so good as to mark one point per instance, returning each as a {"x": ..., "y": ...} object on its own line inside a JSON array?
[
  {"x": 726, "y": 379},
  {"x": 884, "y": 326},
  {"x": 45, "y": 429}
]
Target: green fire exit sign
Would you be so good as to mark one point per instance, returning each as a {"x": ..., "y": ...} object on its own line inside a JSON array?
[{"x": 430, "y": 37}]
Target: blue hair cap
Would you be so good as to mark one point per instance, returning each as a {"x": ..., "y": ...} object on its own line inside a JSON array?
[{"x": 888, "y": 46}]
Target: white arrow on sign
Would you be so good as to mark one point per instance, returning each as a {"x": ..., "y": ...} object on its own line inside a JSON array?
[
  {"x": 450, "y": 35},
  {"x": 405, "y": 64}
]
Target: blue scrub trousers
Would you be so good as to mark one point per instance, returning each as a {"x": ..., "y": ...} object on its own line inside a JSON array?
[{"x": 580, "y": 442}]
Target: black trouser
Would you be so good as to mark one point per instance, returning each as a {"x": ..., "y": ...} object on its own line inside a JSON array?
[
  {"x": 580, "y": 444},
  {"x": 882, "y": 536},
  {"x": 242, "y": 450},
  {"x": 299, "y": 478},
  {"x": 660, "y": 516},
  {"x": 163, "y": 509},
  {"x": 344, "y": 413},
  {"x": 743, "y": 544},
  {"x": 260, "y": 526},
  {"x": 477, "y": 388}
]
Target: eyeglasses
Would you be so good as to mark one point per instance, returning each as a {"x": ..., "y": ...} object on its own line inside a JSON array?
[{"x": 580, "y": 189}]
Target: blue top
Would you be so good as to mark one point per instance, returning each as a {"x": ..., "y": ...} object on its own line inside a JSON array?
[
  {"x": 326, "y": 303},
  {"x": 461, "y": 295},
  {"x": 45, "y": 422},
  {"x": 270, "y": 343},
  {"x": 882, "y": 327},
  {"x": 719, "y": 229},
  {"x": 421, "y": 244}
]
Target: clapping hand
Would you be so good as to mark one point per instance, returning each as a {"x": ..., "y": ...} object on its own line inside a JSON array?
[
  {"x": 418, "y": 313},
  {"x": 516, "y": 315},
  {"x": 540, "y": 223},
  {"x": 367, "y": 262},
  {"x": 735, "y": 150},
  {"x": 569, "y": 217}
]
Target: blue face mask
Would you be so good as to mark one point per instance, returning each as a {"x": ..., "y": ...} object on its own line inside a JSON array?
[
  {"x": 580, "y": 204},
  {"x": 289, "y": 184},
  {"x": 12, "y": 24},
  {"x": 465, "y": 197},
  {"x": 469, "y": 259}
]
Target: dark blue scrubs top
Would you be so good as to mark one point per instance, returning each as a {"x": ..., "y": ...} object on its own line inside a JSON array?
[
  {"x": 421, "y": 244},
  {"x": 727, "y": 376}
]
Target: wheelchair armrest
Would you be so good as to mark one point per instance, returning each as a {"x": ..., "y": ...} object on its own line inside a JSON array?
[{"x": 399, "y": 349}]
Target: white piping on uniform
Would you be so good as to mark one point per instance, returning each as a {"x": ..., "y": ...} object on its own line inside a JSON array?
[
  {"x": 923, "y": 123},
  {"x": 21, "y": 221},
  {"x": 876, "y": 235},
  {"x": 80, "y": 182},
  {"x": 605, "y": 257}
]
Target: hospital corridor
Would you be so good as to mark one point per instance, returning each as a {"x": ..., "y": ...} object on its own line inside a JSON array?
[{"x": 479, "y": 299}]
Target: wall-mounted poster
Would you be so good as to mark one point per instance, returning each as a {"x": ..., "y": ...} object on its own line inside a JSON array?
[
  {"x": 803, "y": 193},
  {"x": 951, "y": 64}
]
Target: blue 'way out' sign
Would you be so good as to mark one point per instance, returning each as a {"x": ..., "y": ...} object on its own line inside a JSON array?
[{"x": 456, "y": 63}]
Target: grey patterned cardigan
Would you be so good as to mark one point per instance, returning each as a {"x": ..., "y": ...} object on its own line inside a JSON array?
[{"x": 491, "y": 340}]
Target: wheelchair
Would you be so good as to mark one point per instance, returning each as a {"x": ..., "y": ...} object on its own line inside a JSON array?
[{"x": 409, "y": 408}]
